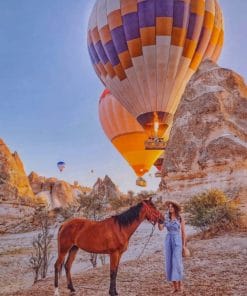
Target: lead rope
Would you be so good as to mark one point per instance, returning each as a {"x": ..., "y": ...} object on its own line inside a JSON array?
[{"x": 143, "y": 249}]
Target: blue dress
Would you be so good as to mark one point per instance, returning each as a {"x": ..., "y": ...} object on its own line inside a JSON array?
[{"x": 173, "y": 250}]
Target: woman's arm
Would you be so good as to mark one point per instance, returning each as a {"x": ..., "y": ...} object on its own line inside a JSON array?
[
  {"x": 183, "y": 232},
  {"x": 161, "y": 224}
]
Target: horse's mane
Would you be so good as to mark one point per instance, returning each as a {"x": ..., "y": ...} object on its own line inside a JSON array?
[{"x": 129, "y": 216}]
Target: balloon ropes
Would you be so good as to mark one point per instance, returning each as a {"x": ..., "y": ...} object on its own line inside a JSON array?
[
  {"x": 127, "y": 135},
  {"x": 145, "y": 52}
]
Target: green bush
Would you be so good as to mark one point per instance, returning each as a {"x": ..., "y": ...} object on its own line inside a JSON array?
[{"x": 212, "y": 210}]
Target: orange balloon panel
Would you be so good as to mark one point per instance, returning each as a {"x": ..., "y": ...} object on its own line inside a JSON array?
[{"x": 126, "y": 134}]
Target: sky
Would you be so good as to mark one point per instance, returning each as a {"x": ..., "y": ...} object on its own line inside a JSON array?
[{"x": 49, "y": 91}]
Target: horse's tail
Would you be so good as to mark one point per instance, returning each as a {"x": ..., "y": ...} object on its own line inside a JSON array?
[{"x": 58, "y": 248}]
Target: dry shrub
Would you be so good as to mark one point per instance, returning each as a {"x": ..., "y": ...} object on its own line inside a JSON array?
[
  {"x": 117, "y": 203},
  {"x": 41, "y": 254},
  {"x": 67, "y": 212},
  {"x": 212, "y": 211}
]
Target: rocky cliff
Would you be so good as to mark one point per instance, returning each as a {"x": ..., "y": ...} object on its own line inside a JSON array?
[
  {"x": 208, "y": 142},
  {"x": 16, "y": 196},
  {"x": 14, "y": 184}
]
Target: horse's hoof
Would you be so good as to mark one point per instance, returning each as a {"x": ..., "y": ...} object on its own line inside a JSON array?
[
  {"x": 71, "y": 288},
  {"x": 56, "y": 292}
]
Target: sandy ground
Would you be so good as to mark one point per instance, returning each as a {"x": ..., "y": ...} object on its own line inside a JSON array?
[
  {"x": 217, "y": 266},
  {"x": 16, "y": 250}
]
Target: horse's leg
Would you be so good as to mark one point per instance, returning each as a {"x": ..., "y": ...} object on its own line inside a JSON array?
[
  {"x": 114, "y": 262},
  {"x": 58, "y": 266},
  {"x": 68, "y": 264},
  {"x": 120, "y": 255},
  {"x": 62, "y": 251}
]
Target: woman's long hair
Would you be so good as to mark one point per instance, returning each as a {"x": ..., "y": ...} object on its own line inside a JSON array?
[{"x": 177, "y": 211}]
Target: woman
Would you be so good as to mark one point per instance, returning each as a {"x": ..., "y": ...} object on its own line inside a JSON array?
[{"x": 175, "y": 241}]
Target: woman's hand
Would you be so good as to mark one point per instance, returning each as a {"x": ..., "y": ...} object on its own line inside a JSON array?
[{"x": 161, "y": 225}]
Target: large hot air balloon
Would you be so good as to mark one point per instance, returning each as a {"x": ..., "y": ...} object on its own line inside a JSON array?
[
  {"x": 145, "y": 52},
  {"x": 126, "y": 134}
]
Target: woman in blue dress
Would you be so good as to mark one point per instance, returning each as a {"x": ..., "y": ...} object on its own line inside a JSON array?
[{"x": 175, "y": 241}]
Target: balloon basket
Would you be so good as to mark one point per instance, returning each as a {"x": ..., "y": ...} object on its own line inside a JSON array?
[
  {"x": 158, "y": 175},
  {"x": 155, "y": 144},
  {"x": 141, "y": 182}
]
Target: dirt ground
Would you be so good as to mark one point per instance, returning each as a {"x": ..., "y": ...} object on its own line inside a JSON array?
[{"x": 217, "y": 266}]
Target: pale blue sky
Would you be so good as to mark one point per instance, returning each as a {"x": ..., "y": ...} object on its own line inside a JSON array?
[{"x": 49, "y": 91}]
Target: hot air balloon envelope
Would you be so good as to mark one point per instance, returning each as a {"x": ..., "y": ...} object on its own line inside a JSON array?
[
  {"x": 126, "y": 134},
  {"x": 145, "y": 52}
]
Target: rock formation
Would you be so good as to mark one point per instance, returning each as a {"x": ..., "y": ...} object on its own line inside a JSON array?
[
  {"x": 16, "y": 196},
  {"x": 208, "y": 141},
  {"x": 106, "y": 189},
  {"x": 14, "y": 184},
  {"x": 36, "y": 182},
  {"x": 55, "y": 193}
]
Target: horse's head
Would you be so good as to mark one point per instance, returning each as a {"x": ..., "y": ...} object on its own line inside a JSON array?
[{"x": 151, "y": 213}]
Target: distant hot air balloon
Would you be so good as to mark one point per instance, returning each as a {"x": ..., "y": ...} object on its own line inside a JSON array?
[
  {"x": 126, "y": 134},
  {"x": 158, "y": 164},
  {"x": 145, "y": 52},
  {"x": 61, "y": 165}
]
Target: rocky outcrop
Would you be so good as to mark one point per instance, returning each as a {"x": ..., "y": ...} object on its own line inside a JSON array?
[
  {"x": 208, "y": 141},
  {"x": 14, "y": 184},
  {"x": 16, "y": 196},
  {"x": 36, "y": 182},
  {"x": 106, "y": 189},
  {"x": 55, "y": 193}
]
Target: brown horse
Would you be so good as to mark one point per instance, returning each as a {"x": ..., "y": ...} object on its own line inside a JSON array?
[{"x": 110, "y": 236}]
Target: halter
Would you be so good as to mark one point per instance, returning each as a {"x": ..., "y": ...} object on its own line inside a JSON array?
[{"x": 153, "y": 214}]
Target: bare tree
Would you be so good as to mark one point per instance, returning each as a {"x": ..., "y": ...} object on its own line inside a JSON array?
[{"x": 41, "y": 255}]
